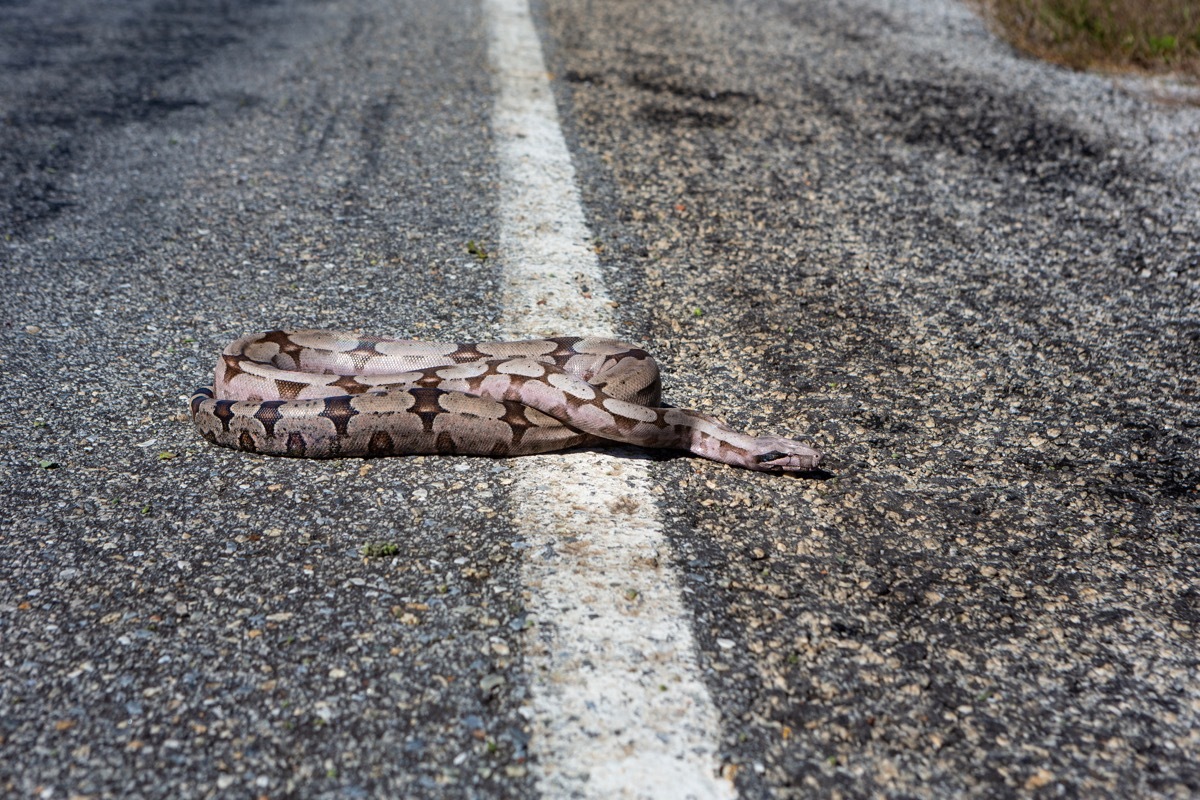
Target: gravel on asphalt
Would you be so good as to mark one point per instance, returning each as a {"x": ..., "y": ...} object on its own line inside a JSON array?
[
  {"x": 184, "y": 621},
  {"x": 973, "y": 279}
]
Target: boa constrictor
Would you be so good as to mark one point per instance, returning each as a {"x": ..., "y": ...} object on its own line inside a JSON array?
[{"x": 322, "y": 394}]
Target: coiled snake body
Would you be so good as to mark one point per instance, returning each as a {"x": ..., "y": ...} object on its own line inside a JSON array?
[{"x": 323, "y": 394}]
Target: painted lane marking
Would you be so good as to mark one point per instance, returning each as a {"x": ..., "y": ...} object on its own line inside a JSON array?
[{"x": 618, "y": 707}]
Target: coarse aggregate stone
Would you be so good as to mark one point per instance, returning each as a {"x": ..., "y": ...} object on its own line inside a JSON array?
[
  {"x": 183, "y": 621},
  {"x": 972, "y": 278}
]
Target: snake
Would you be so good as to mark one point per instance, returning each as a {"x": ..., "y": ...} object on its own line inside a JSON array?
[{"x": 331, "y": 394}]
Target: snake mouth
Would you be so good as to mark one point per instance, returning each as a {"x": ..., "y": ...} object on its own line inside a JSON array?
[{"x": 790, "y": 462}]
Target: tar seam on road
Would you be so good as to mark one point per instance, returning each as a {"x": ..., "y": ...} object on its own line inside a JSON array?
[{"x": 618, "y": 707}]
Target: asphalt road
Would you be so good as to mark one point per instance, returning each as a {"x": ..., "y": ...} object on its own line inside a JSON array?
[{"x": 970, "y": 277}]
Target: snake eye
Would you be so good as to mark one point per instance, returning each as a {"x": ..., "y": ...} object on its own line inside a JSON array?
[{"x": 774, "y": 455}]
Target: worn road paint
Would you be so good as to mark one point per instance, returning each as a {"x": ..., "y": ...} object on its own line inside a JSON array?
[{"x": 618, "y": 707}]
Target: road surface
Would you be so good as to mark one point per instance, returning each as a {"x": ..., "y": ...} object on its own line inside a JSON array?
[{"x": 970, "y": 277}]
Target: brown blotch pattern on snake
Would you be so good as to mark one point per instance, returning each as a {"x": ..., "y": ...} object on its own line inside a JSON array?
[{"x": 407, "y": 418}]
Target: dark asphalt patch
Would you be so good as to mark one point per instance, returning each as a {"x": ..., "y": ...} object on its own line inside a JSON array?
[{"x": 73, "y": 69}]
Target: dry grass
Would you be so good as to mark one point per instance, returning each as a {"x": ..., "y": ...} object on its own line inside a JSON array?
[{"x": 1154, "y": 36}]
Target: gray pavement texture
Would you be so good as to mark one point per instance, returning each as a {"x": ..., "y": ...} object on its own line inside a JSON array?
[
  {"x": 972, "y": 278},
  {"x": 178, "y": 621}
]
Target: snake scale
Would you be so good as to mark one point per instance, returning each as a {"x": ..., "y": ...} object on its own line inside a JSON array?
[{"x": 324, "y": 394}]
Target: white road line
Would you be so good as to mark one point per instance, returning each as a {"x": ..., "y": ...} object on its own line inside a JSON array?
[{"x": 618, "y": 707}]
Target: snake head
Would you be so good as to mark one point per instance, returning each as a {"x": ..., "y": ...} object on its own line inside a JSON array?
[{"x": 775, "y": 454}]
